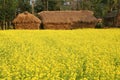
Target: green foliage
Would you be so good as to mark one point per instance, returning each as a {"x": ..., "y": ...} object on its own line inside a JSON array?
[
  {"x": 7, "y": 9},
  {"x": 24, "y": 5},
  {"x": 87, "y": 54},
  {"x": 39, "y": 6},
  {"x": 99, "y": 25},
  {"x": 10, "y": 8},
  {"x": 50, "y": 5},
  {"x": 100, "y": 7}
]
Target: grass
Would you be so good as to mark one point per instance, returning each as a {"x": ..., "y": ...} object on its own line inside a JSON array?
[{"x": 83, "y": 54}]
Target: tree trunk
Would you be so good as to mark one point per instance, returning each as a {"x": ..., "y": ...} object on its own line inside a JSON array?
[
  {"x": 32, "y": 6},
  {"x": 4, "y": 15}
]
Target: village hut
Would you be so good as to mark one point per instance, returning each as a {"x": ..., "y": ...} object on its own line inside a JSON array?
[
  {"x": 26, "y": 20},
  {"x": 112, "y": 19},
  {"x": 67, "y": 19},
  {"x": 54, "y": 20}
]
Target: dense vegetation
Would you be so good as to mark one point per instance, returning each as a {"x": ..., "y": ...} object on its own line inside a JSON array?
[
  {"x": 100, "y": 7},
  {"x": 87, "y": 54},
  {"x": 10, "y": 8}
]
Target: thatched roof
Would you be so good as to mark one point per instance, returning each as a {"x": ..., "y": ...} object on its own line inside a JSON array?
[
  {"x": 26, "y": 17},
  {"x": 67, "y": 16}
]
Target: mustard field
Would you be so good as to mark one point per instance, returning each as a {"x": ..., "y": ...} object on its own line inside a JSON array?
[{"x": 83, "y": 54}]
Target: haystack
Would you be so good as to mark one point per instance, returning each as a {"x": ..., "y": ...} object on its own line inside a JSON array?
[
  {"x": 26, "y": 21},
  {"x": 67, "y": 19}
]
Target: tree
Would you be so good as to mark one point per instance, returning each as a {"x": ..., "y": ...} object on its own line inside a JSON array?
[
  {"x": 33, "y": 3},
  {"x": 55, "y": 5},
  {"x": 39, "y": 6},
  {"x": 24, "y": 5},
  {"x": 7, "y": 11},
  {"x": 51, "y": 5},
  {"x": 98, "y": 7}
]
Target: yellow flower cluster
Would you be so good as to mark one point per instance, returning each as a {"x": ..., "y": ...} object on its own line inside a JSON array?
[{"x": 83, "y": 54}]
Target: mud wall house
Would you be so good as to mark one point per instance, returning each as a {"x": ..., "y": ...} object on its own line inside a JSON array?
[
  {"x": 26, "y": 20},
  {"x": 67, "y": 19},
  {"x": 111, "y": 19}
]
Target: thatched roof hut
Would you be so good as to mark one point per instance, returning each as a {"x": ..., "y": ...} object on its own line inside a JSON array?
[
  {"x": 112, "y": 19},
  {"x": 67, "y": 19},
  {"x": 26, "y": 21}
]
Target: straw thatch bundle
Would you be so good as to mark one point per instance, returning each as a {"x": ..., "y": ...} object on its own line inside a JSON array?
[
  {"x": 26, "y": 21},
  {"x": 67, "y": 19}
]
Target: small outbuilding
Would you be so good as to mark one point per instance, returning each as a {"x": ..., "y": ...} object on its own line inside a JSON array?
[
  {"x": 112, "y": 19},
  {"x": 67, "y": 19},
  {"x": 26, "y": 20}
]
